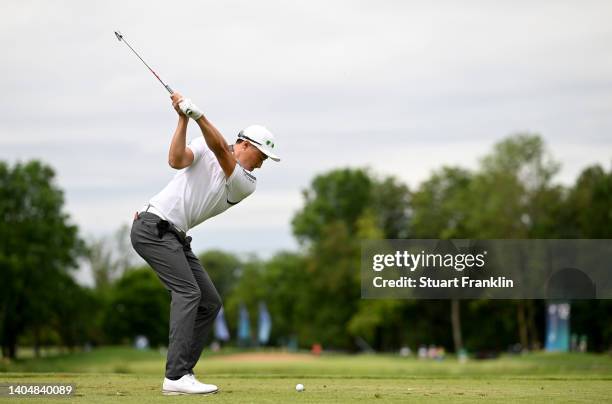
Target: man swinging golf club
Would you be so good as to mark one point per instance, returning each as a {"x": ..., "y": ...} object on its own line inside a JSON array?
[{"x": 212, "y": 177}]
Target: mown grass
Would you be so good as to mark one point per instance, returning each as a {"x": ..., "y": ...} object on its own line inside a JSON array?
[{"x": 129, "y": 376}]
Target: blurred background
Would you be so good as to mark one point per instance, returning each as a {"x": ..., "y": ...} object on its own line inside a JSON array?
[{"x": 394, "y": 120}]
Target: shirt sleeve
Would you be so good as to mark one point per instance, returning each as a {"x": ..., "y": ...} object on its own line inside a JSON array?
[
  {"x": 198, "y": 147},
  {"x": 240, "y": 185}
]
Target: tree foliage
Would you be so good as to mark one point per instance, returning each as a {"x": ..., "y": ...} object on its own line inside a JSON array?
[
  {"x": 314, "y": 294},
  {"x": 38, "y": 245},
  {"x": 139, "y": 305}
]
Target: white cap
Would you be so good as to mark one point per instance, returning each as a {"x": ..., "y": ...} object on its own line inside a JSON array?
[{"x": 261, "y": 138}]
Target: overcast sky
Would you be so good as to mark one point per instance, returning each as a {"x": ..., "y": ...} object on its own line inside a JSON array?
[{"x": 402, "y": 87}]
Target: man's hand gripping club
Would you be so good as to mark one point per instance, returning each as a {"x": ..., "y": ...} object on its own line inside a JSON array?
[
  {"x": 213, "y": 138},
  {"x": 184, "y": 106}
]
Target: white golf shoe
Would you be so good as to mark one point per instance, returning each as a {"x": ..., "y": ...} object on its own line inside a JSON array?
[{"x": 187, "y": 385}]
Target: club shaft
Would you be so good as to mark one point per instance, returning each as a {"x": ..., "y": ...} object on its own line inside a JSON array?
[{"x": 148, "y": 67}]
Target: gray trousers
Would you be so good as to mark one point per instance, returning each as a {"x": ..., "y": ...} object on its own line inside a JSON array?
[{"x": 195, "y": 301}]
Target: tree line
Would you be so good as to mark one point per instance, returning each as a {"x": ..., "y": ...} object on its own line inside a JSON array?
[{"x": 313, "y": 294}]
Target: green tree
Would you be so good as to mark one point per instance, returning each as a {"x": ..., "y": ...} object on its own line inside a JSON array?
[
  {"x": 340, "y": 207},
  {"x": 37, "y": 245},
  {"x": 511, "y": 195},
  {"x": 223, "y": 268},
  {"x": 345, "y": 195},
  {"x": 340, "y": 195},
  {"x": 442, "y": 206},
  {"x": 512, "y": 191},
  {"x": 381, "y": 323},
  {"x": 74, "y": 309},
  {"x": 139, "y": 305},
  {"x": 333, "y": 265},
  {"x": 589, "y": 204},
  {"x": 287, "y": 290},
  {"x": 250, "y": 289},
  {"x": 588, "y": 214},
  {"x": 282, "y": 283},
  {"x": 391, "y": 209}
]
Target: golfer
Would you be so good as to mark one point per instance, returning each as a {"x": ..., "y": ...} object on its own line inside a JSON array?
[{"x": 212, "y": 177}]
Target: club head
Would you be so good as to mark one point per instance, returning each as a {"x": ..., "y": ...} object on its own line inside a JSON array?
[{"x": 118, "y": 35}]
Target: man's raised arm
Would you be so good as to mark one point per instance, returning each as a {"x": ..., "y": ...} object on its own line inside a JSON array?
[
  {"x": 179, "y": 155},
  {"x": 214, "y": 139},
  {"x": 216, "y": 142}
]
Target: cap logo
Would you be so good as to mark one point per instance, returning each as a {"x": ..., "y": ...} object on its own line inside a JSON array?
[{"x": 269, "y": 143}]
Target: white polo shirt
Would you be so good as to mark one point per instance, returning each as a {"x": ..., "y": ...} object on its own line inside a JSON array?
[{"x": 201, "y": 191}]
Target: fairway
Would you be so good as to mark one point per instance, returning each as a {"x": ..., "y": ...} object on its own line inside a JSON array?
[{"x": 129, "y": 376}]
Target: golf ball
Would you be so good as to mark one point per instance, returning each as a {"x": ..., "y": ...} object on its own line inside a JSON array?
[{"x": 299, "y": 387}]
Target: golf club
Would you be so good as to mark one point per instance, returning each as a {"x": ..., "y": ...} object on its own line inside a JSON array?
[{"x": 122, "y": 39}]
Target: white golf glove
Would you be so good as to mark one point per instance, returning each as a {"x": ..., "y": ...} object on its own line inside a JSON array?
[{"x": 190, "y": 109}]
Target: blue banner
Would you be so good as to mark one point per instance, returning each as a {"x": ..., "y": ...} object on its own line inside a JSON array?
[
  {"x": 557, "y": 327},
  {"x": 221, "y": 331},
  {"x": 244, "y": 326},
  {"x": 265, "y": 324}
]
